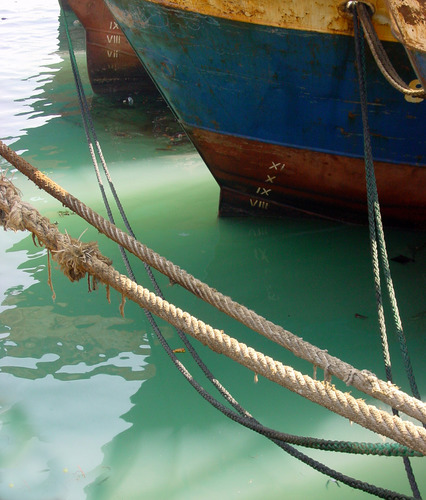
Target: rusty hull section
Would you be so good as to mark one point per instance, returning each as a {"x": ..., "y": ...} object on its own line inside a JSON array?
[
  {"x": 266, "y": 180},
  {"x": 321, "y": 16},
  {"x": 408, "y": 22}
]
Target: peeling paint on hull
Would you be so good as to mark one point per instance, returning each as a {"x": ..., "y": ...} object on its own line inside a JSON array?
[
  {"x": 288, "y": 96},
  {"x": 408, "y": 21}
]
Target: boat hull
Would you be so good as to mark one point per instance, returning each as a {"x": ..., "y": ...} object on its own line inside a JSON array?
[
  {"x": 253, "y": 95},
  {"x": 112, "y": 65},
  {"x": 270, "y": 180}
]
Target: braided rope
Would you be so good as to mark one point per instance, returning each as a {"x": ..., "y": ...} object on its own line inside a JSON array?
[
  {"x": 364, "y": 380},
  {"x": 282, "y": 440},
  {"x": 92, "y": 139},
  {"x": 377, "y": 236},
  {"x": 379, "y": 53},
  {"x": 21, "y": 215},
  {"x": 377, "y": 239}
]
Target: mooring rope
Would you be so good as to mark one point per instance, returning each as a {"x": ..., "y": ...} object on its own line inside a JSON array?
[
  {"x": 91, "y": 138},
  {"x": 364, "y": 380},
  {"x": 71, "y": 261},
  {"x": 377, "y": 238},
  {"x": 379, "y": 53},
  {"x": 243, "y": 417},
  {"x": 81, "y": 260}
]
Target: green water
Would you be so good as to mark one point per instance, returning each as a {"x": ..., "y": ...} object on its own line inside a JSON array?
[{"x": 91, "y": 407}]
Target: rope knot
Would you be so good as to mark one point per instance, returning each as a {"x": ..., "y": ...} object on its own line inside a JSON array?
[{"x": 73, "y": 252}]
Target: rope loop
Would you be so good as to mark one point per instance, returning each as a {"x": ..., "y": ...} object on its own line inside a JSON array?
[{"x": 365, "y": 11}]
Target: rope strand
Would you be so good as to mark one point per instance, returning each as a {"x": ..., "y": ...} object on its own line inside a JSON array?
[
  {"x": 377, "y": 238},
  {"x": 356, "y": 410}
]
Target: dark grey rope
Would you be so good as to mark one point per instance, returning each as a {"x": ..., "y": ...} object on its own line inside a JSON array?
[{"x": 243, "y": 417}]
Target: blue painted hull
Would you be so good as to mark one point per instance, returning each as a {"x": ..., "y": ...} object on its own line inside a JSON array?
[{"x": 280, "y": 87}]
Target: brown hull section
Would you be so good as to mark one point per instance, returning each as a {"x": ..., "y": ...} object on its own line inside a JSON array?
[
  {"x": 269, "y": 180},
  {"x": 112, "y": 64}
]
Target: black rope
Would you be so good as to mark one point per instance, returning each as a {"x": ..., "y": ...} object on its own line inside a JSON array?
[
  {"x": 374, "y": 217},
  {"x": 241, "y": 415}
]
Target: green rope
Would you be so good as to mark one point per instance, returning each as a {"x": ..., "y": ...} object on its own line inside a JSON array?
[
  {"x": 377, "y": 238},
  {"x": 379, "y": 247}
]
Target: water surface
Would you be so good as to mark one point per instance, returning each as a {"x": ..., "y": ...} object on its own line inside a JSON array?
[{"x": 91, "y": 406}]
